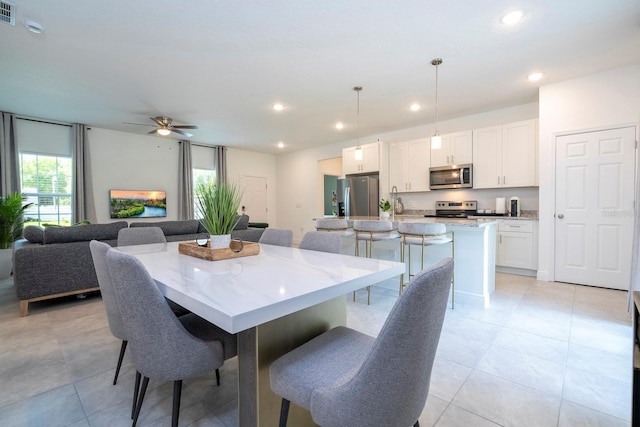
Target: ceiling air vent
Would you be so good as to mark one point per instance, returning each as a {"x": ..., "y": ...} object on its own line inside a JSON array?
[{"x": 7, "y": 12}]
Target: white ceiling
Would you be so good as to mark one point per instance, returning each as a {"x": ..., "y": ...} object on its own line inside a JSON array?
[{"x": 223, "y": 64}]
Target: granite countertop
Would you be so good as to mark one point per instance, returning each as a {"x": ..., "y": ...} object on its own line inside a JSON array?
[{"x": 449, "y": 222}]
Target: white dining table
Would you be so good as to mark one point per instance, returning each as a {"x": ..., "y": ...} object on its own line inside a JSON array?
[{"x": 275, "y": 301}]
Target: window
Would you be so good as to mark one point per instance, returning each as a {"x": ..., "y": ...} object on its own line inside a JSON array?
[
  {"x": 200, "y": 176},
  {"x": 46, "y": 181}
]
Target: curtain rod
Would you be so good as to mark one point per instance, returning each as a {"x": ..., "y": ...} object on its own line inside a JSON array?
[
  {"x": 42, "y": 121},
  {"x": 205, "y": 146}
]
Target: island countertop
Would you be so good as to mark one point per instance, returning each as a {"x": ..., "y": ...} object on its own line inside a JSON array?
[{"x": 448, "y": 222}]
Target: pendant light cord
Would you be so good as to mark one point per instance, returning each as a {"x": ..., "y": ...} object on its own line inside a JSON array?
[
  {"x": 358, "y": 89},
  {"x": 437, "y": 62}
]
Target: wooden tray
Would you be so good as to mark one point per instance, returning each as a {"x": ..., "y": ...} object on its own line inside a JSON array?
[{"x": 192, "y": 249}]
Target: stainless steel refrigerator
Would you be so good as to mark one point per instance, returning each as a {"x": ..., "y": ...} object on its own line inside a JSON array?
[{"x": 358, "y": 196}]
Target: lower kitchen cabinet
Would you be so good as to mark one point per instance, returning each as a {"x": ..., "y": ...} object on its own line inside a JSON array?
[{"x": 517, "y": 244}]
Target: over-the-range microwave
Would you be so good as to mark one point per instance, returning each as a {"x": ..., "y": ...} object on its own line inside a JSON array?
[{"x": 452, "y": 176}]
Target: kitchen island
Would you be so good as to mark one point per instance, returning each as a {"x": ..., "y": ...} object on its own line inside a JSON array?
[{"x": 474, "y": 256}]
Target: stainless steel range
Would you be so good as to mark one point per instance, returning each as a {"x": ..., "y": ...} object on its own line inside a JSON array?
[{"x": 462, "y": 209}]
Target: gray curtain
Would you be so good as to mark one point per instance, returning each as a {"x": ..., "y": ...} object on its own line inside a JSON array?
[
  {"x": 84, "y": 207},
  {"x": 9, "y": 182},
  {"x": 185, "y": 182},
  {"x": 220, "y": 159}
]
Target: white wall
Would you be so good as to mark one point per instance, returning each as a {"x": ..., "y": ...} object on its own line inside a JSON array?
[
  {"x": 139, "y": 162},
  {"x": 597, "y": 101},
  {"x": 298, "y": 183},
  {"x": 247, "y": 163}
]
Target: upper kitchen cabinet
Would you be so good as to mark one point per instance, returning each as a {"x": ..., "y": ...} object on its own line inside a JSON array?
[
  {"x": 506, "y": 156},
  {"x": 409, "y": 165},
  {"x": 456, "y": 149},
  {"x": 370, "y": 159}
]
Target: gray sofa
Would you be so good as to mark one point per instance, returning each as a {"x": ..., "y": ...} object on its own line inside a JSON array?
[{"x": 56, "y": 261}]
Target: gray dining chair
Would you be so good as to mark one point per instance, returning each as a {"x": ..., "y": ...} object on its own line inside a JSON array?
[
  {"x": 278, "y": 237},
  {"x": 347, "y": 378},
  {"x": 114, "y": 319},
  {"x": 320, "y": 241},
  {"x": 140, "y": 236},
  {"x": 163, "y": 346}
]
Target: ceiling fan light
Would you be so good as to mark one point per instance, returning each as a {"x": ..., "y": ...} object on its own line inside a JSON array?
[{"x": 164, "y": 132}]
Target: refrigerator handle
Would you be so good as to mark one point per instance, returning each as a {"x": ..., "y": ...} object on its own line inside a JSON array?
[{"x": 347, "y": 202}]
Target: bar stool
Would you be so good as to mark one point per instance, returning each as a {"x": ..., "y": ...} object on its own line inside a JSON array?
[
  {"x": 334, "y": 225},
  {"x": 423, "y": 235},
  {"x": 371, "y": 231}
]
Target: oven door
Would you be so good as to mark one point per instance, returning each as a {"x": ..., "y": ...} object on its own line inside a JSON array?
[{"x": 455, "y": 176}]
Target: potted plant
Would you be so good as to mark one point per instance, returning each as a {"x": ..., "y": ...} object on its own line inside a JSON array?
[
  {"x": 11, "y": 223},
  {"x": 218, "y": 204},
  {"x": 385, "y": 207}
]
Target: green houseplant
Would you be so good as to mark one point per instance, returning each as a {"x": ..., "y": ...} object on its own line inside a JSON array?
[
  {"x": 218, "y": 204},
  {"x": 385, "y": 207},
  {"x": 11, "y": 223}
]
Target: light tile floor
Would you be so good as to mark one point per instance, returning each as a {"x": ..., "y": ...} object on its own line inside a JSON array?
[{"x": 543, "y": 354}]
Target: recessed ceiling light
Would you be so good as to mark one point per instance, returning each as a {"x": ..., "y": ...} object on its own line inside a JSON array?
[
  {"x": 33, "y": 26},
  {"x": 278, "y": 107},
  {"x": 339, "y": 125},
  {"x": 415, "y": 106},
  {"x": 534, "y": 77},
  {"x": 280, "y": 144},
  {"x": 512, "y": 18}
]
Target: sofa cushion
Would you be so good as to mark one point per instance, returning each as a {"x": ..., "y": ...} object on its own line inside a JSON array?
[
  {"x": 82, "y": 233},
  {"x": 33, "y": 233},
  {"x": 170, "y": 228},
  {"x": 243, "y": 223}
]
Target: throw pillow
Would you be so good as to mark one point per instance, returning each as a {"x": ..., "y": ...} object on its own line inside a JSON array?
[{"x": 33, "y": 233}]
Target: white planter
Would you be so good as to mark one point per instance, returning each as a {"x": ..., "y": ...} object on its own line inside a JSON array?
[
  {"x": 220, "y": 241},
  {"x": 384, "y": 215},
  {"x": 5, "y": 262}
]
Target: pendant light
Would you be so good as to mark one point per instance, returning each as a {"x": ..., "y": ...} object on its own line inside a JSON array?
[
  {"x": 358, "y": 153},
  {"x": 436, "y": 140}
]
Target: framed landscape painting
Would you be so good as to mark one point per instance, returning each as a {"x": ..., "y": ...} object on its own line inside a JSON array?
[{"x": 137, "y": 203}]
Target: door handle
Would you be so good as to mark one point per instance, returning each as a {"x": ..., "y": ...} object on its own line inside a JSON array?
[{"x": 560, "y": 216}]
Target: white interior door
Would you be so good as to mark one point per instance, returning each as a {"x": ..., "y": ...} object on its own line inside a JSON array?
[
  {"x": 254, "y": 198},
  {"x": 594, "y": 207}
]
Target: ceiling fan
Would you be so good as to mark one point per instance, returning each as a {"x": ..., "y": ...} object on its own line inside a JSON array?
[{"x": 165, "y": 126}]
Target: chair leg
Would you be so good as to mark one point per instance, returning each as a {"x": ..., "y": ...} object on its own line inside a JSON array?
[
  {"x": 284, "y": 412},
  {"x": 177, "y": 392},
  {"x": 218, "y": 377},
  {"x": 143, "y": 390},
  {"x": 123, "y": 347},
  {"x": 135, "y": 394}
]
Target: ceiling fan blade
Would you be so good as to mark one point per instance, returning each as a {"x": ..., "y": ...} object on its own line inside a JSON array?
[
  {"x": 153, "y": 132},
  {"x": 137, "y": 124},
  {"x": 158, "y": 121},
  {"x": 181, "y": 132},
  {"x": 184, "y": 127}
]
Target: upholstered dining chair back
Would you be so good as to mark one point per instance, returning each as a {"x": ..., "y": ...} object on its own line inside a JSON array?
[
  {"x": 320, "y": 241},
  {"x": 278, "y": 237},
  {"x": 99, "y": 255},
  {"x": 140, "y": 236},
  {"x": 392, "y": 384},
  {"x": 160, "y": 345}
]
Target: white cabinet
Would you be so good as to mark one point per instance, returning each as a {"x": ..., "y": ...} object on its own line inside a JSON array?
[
  {"x": 506, "y": 155},
  {"x": 517, "y": 244},
  {"x": 370, "y": 159},
  {"x": 409, "y": 165},
  {"x": 456, "y": 149}
]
